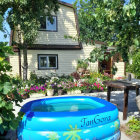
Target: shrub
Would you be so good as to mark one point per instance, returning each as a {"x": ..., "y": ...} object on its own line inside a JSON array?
[
  {"x": 134, "y": 126},
  {"x": 8, "y": 92},
  {"x": 75, "y": 75},
  {"x": 82, "y": 64},
  {"x": 136, "y": 64}
]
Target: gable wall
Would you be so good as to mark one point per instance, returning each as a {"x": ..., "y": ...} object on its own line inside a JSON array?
[{"x": 66, "y": 26}]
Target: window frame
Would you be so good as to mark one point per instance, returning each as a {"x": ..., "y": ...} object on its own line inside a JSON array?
[
  {"x": 47, "y": 56},
  {"x": 46, "y": 26}
]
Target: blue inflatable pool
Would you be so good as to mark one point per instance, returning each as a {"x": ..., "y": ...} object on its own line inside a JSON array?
[{"x": 69, "y": 118}]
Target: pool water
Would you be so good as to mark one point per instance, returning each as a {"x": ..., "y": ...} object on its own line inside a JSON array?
[{"x": 64, "y": 107}]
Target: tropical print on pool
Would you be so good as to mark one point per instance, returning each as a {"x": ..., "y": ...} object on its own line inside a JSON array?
[
  {"x": 72, "y": 133},
  {"x": 116, "y": 125},
  {"x": 53, "y": 136}
]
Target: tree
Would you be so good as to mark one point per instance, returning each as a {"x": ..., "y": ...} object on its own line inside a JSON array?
[
  {"x": 8, "y": 120},
  {"x": 114, "y": 22},
  {"x": 24, "y": 18}
]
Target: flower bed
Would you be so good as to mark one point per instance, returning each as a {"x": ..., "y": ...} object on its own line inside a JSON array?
[{"x": 73, "y": 83}]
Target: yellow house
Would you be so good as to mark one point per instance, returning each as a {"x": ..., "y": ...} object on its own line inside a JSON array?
[{"x": 51, "y": 52}]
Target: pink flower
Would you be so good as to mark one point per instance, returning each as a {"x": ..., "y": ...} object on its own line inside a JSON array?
[
  {"x": 95, "y": 84},
  {"x": 102, "y": 88},
  {"x": 26, "y": 90}
]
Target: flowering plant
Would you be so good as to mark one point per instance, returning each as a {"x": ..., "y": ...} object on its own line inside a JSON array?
[
  {"x": 52, "y": 83},
  {"x": 85, "y": 86},
  {"x": 97, "y": 86},
  {"x": 69, "y": 86},
  {"x": 60, "y": 85},
  {"x": 33, "y": 89}
]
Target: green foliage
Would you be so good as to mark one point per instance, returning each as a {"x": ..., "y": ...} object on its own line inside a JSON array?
[
  {"x": 82, "y": 64},
  {"x": 134, "y": 126},
  {"x": 1, "y": 21},
  {"x": 8, "y": 93},
  {"x": 24, "y": 17},
  {"x": 98, "y": 54},
  {"x": 98, "y": 75},
  {"x": 110, "y": 21},
  {"x": 26, "y": 14},
  {"x": 135, "y": 66}
]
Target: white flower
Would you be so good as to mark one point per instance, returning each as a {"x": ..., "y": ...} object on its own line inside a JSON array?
[{"x": 26, "y": 86}]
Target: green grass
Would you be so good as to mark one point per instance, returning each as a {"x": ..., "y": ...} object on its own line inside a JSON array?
[{"x": 133, "y": 126}]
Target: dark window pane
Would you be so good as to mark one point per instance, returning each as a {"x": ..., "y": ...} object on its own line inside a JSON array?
[
  {"x": 43, "y": 62},
  {"x": 52, "y": 61},
  {"x": 43, "y": 22}
]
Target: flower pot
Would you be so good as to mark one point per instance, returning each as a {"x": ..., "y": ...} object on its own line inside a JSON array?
[
  {"x": 74, "y": 92},
  {"x": 50, "y": 92},
  {"x": 69, "y": 92},
  {"x": 60, "y": 92},
  {"x": 37, "y": 95},
  {"x": 86, "y": 91}
]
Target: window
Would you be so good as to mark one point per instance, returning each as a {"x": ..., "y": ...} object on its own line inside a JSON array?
[
  {"x": 47, "y": 61},
  {"x": 47, "y": 25}
]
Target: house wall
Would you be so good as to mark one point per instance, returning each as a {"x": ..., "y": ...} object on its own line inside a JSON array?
[
  {"x": 14, "y": 62},
  {"x": 66, "y": 26},
  {"x": 67, "y": 60},
  {"x": 120, "y": 69}
]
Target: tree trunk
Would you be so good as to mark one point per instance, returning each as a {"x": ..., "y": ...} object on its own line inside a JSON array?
[{"x": 25, "y": 63}]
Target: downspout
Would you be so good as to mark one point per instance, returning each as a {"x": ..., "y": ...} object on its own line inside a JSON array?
[{"x": 19, "y": 59}]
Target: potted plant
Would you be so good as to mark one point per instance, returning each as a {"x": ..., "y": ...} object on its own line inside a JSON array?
[
  {"x": 82, "y": 66},
  {"x": 85, "y": 87},
  {"x": 72, "y": 88},
  {"x": 60, "y": 89},
  {"x": 50, "y": 89},
  {"x": 36, "y": 91}
]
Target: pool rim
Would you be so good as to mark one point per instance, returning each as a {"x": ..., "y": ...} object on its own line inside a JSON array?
[{"x": 106, "y": 108}]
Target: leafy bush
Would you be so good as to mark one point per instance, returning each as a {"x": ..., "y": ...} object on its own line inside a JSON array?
[
  {"x": 135, "y": 67},
  {"x": 134, "y": 126},
  {"x": 75, "y": 75},
  {"x": 98, "y": 75},
  {"x": 82, "y": 64},
  {"x": 40, "y": 80},
  {"x": 8, "y": 93}
]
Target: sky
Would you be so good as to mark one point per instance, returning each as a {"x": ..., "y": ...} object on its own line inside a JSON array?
[{"x": 6, "y": 26}]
